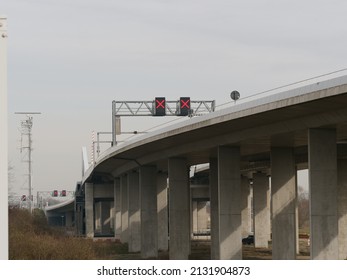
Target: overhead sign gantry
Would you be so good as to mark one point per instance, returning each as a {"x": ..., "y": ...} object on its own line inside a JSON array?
[{"x": 158, "y": 107}]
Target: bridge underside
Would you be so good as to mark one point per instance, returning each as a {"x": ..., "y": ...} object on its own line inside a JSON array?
[{"x": 149, "y": 183}]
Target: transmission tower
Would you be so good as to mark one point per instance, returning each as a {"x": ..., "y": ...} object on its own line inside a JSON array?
[{"x": 26, "y": 126}]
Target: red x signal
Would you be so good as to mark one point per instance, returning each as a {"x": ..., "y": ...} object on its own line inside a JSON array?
[
  {"x": 160, "y": 107},
  {"x": 160, "y": 103},
  {"x": 184, "y": 106},
  {"x": 185, "y": 103}
]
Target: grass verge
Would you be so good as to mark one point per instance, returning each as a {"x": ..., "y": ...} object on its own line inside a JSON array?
[{"x": 31, "y": 238}]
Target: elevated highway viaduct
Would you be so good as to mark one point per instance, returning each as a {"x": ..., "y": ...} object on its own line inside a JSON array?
[{"x": 273, "y": 136}]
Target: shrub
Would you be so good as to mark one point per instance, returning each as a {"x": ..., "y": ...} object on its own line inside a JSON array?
[{"x": 31, "y": 238}]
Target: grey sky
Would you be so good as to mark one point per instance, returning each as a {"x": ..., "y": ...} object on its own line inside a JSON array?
[{"x": 70, "y": 59}]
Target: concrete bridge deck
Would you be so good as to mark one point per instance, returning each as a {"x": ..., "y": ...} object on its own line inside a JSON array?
[{"x": 282, "y": 119}]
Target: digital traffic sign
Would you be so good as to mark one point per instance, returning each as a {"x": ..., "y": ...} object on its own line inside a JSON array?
[
  {"x": 184, "y": 106},
  {"x": 159, "y": 106}
]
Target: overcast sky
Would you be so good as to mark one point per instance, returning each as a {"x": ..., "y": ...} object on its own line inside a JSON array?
[{"x": 70, "y": 59}]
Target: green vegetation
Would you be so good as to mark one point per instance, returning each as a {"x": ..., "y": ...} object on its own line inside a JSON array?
[{"x": 31, "y": 238}]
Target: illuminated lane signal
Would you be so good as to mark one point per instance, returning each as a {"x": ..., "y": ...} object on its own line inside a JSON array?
[
  {"x": 63, "y": 193},
  {"x": 160, "y": 103},
  {"x": 55, "y": 193},
  {"x": 159, "y": 106},
  {"x": 184, "y": 106}
]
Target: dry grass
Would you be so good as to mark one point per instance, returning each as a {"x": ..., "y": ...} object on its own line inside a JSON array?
[{"x": 30, "y": 238}]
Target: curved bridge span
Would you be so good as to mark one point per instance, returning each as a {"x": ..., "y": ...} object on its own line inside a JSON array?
[{"x": 140, "y": 192}]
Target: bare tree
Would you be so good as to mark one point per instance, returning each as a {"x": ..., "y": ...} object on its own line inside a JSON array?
[{"x": 11, "y": 195}]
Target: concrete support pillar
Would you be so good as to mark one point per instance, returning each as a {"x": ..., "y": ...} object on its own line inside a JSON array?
[
  {"x": 89, "y": 209},
  {"x": 201, "y": 216},
  {"x": 283, "y": 193},
  {"x": 97, "y": 218},
  {"x": 79, "y": 220},
  {"x": 342, "y": 207},
  {"x": 322, "y": 156},
  {"x": 229, "y": 195},
  {"x": 112, "y": 216},
  {"x": 134, "y": 226},
  {"x": 149, "y": 213},
  {"x": 163, "y": 222},
  {"x": 124, "y": 208},
  {"x": 106, "y": 217},
  {"x": 261, "y": 210},
  {"x": 117, "y": 207},
  {"x": 297, "y": 214},
  {"x": 245, "y": 206},
  {"x": 179, "y": 209},
  {"x": 194, "y": 220},
  {"x": 214, "y": 209},
  {"x": 69, "y": 219}
]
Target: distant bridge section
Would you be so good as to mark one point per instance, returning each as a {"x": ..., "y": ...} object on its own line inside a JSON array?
[{"x": 61, "y": 214}]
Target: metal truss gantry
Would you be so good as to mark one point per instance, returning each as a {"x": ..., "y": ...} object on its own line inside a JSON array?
[{"x": 148, "y": 108}]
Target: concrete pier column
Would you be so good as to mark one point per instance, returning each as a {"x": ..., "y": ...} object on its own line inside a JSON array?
[
  {"x": 342, "y": 206},
  {"x": 149, "y": 213},
  {"x": 134, "y": 225},
  {"x": 245, "y": 206},
  {"x": 106, "y": 217},
  {"x": 229, "y": 195},
  {"x": 202, "y": 216},
  {"x": 117, "y": 207},
  {"x": 322, "y": 157},
  {"x": 214, "y": 209},
  {"x": 163, "y": 222},
  {"x": 98, "y": 218},
  {"x": 89, "y": 209},
  {"x": 199, "y": 216},
  {"x": 297, "y": 214},
  {"x": 69, "y": 219},
  {"x": 103, "y": 209},
  {"x": 194, "y": 219},
  {"x": 124, "y": 208},
  {"x": 261, "y": 208},
  {"x": 112, "y": 216},
  {"x": 179, "y": 209},
  {"x": 283, "y": 198}
]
